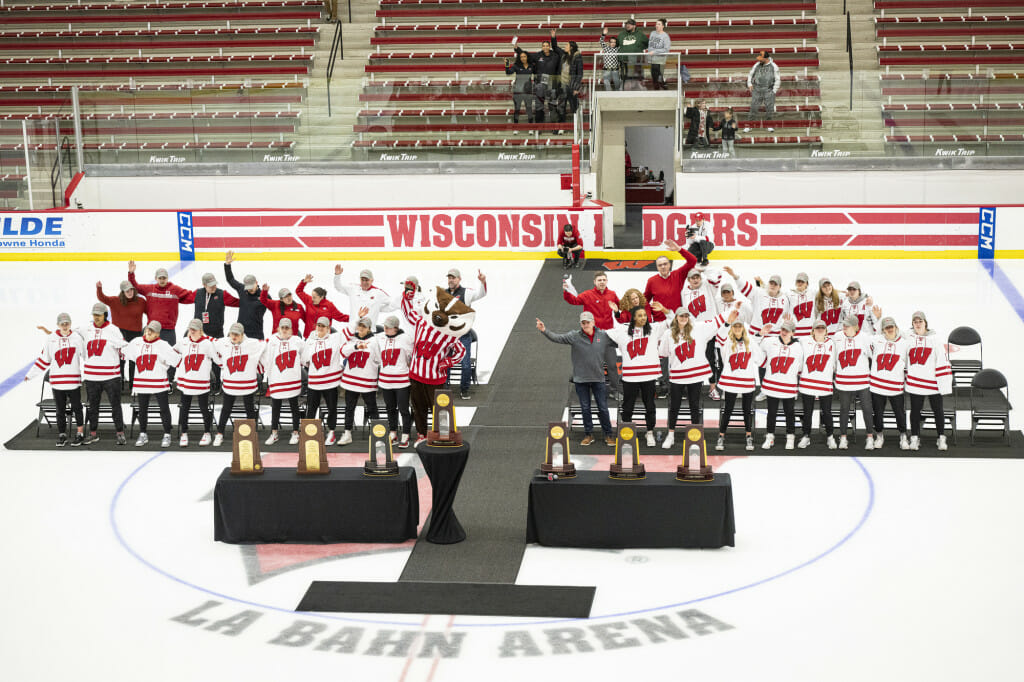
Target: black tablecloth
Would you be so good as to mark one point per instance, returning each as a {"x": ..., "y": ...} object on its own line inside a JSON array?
[
  {"x": 444, "y": 466},
  {"x": 342, "y": 506},
  {"x": 593, "y": 510}
]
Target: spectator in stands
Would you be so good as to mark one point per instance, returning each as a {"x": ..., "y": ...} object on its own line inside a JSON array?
[
  {"x": 701, "y": 123},
  {"x": 728, "y": 127},
  {"x": 658, "y": 45},
  {"x": 572, "y": 74},
  {"x": 522, "y": 87},
  {"x": 763, "y": 82},
  {"x": 632, "y": 43},
  {"x": 331, "y": 7},
  {"x": 547, "y": 87},
  {"x": 610, "y": 51}
]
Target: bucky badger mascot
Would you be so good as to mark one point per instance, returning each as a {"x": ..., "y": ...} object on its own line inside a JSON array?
[{"x": 436, "y": 346}]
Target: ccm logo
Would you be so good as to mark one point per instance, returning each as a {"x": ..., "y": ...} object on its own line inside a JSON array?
[{"x": 30, "y": 227}]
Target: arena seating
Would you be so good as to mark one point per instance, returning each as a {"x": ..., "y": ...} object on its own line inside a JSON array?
[{"x": 951, "y": 79}]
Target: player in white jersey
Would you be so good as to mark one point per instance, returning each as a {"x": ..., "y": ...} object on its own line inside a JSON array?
[
  {"x": 801, "y": 305},
  {"x": 783, "y": 358},
  {"x": 828, "y": 306},
  {"x": 641, "y": 365},
  {"x": 860, "y": 305},
  {"x": 240, "y": 368},
  {"x": 364, "y": 295},
  {"x": 816, "y": 381},
  {"x": 102, "y": 371},
  {"x": 928, "y": 376},
  {"x": 153, "y": 358},
  {"x": 198, "y": 355},
  {"x": 359, "y": 378},
  {"x": 322, "y": 353},
  {"x": 741, "y": 358},
  {"x": 700, "y": 297},
  {"x": 888, "y": 378},
  {"x": 852, "y": 379},
  {"x": 395, "y": 356},
  {"x": 282, "y": 363},
  {"x": 687, "y": 368},
  {"x": 769, "y": 305},
  {"x": 62, "y": 356}
]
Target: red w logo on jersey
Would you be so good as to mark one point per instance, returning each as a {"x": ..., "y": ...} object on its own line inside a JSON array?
[
  {"x": 739, "y": 361},
  {"x": 831, "y": 316},
  {"x": 358, "y": 359},
  {"x": 285, "y": 360},
  {"x": 236, "y": 363},
  {"x": 849, "y": 358},
  {"x": 389, "y": 358},
  {"x": 322, "y": 358},
  {"x": 193, "y": 362},
  {"x": 636, "y": 347},
  {"x": 887, "y": 362},
  {"x": 697, "y": 306},
  {"x": 770, "y": 315},
  {"x": 146, "y": 363},
  {"x": 817, "y": 362},
  {"x": 919, "y": 355},
  {"x": 64, "y": 356},
  {"x": 803, "y": 311},
  {"x": 781, "y": 365},
  {"x": 426, "y": 348},
  {"x": 95, "y": 347},
  {"x": 684, "y": 351}
]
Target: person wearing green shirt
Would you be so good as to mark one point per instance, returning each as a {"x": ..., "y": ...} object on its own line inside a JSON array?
[{"x": 632, "y": 43}]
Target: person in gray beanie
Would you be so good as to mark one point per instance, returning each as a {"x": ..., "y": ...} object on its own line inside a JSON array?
[{"x": 853, "y": 355}]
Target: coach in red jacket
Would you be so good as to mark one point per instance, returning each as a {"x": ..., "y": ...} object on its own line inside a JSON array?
[
  {"x": 666, "y": 287},
  {"x": 162, "y": 300},
  {"x": 317, "y": 305}
]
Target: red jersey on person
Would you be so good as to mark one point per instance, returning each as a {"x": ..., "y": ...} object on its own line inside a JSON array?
[
  {"x": 433, "y": 352},
  {"x": 596, "y": 303},
  {"x": 315, "y": 311},
  {"x": 667, "y": 290},
  {"x": 294, "y": 312},
  {"x": 161, "y": 302}
]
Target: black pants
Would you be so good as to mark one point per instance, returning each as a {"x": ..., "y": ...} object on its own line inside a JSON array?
[
  {"x": 275, "y": 412},
  {"x": 675, "y": 399},
  {"x": 170, "y": 337},
  {"x": 896, "y": 402},
  {"x": 728, "y": 403},
  {"x": 421, "y": 396},
  {"x": 630, "y": 389},
  {"x": 714, "y": 356},
  {"x": 916, "y": 403},
  {"x": 229, "y": 402},
  {"x": 64, "y": 398},
  {"x": 788, "y": 408},
  {"x": 205, "y": 410},
  {"x": 93, "y": 391},
  {"x": 128, "y": 336},
  {"x": 369, "y": 401},
  {"x": 824, "y": 412},
  {"x": 165, "y": 410},
  {"x": 570, "y": 258},
  {"x": 700, "y": 250},
  {"x": 396, "y": 402},
  {"x": 845, "y": 400},
  {"x": 658, "y": 76},
  {"x": 330, "y": 397}
]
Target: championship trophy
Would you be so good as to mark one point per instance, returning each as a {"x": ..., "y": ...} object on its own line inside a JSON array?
[
  {"x": 245, "y": 448},
  {"x": 445, "y": 432},
  {"x": 627, "y": 466},
  {"x": 556, "y": 457},
  {"x": 381, "y": 461},
  {"x": 312, "y": 453},
  {"x": 695, "y": 465}
]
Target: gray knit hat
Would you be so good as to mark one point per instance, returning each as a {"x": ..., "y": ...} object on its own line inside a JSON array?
[
  {"x": 196, "y": 325},
  {"x": 823, "y": 281},
  {"x": 586, "y": 316},
  {"x": 365, "y": 273},
  {"x": 236, "y": 328},
  {"x": 802, "y": 277},
  {"x": 285, "y": 322},
  {"x": 99, "y": 308},
  {"x": 775, "y": 279},
  {"x": 63, "y": 317},
  {"x": 283, "y": 292},
  {"x": 819, "y": 323},
  {"x": 888, "y": 321},
  {"x": 726, "y": 286},
  {"x": 854, "y": 285},
  {"x": 365, "y": 322},
  {"x": 155, "y": 326},
  {"x": 126, "y": 285},
  {"x": 209, "y": 279},
  {"x": 249, "y": 280},
  {"x": 161, "y": 272},
  {"x": 788, "y": 326},
  {"x": 682, "y": 310},
  {"x": 323, "y": 321},
  {"x": 851, "y": 321},
  {"x": 919, "y": 314},
  {"x": 391, "y": 322}
]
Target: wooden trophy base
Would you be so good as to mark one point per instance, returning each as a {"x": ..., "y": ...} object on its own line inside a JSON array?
[
  {"x": 689, "y": 475},
  {"x": 636, "y": 473},
  {"x": 322, "y": 471},
  {"x": 371, "y": 468},
  {"x": 435, "y": 438},
  {"x": 560, "y": 471}
]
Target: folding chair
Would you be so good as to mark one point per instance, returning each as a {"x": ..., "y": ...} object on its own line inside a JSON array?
[{"x": 990, "y": 403}]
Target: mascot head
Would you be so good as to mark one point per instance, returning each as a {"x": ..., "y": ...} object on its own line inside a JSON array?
[{"x": 447, "y": 314}]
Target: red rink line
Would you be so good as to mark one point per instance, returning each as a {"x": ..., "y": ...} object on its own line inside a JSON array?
[
  {"x": 247, "y": 242},
  {"x": 200, "y": 220},
  {"x": 804, "y": 239},
  {"x": 351, "y": 242},
  {"x": 917, "y": 218},
  {"x": 831, "y": 218},
  {"x": 343, "y": 220}
]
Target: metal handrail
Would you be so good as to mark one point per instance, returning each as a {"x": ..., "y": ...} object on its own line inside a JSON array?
[
  {"x": 849, "y": 54},
  {"x": 337, "y": 50},
  {"x": 63, "y": 151}
]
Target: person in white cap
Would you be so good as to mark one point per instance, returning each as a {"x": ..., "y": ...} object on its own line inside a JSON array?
[
  {"x": 162, "y": 300},
  {"x": 741, "y": 358},
  {"x": 61, "y": 357},
  {"x": 783, "y": 359},
  {"x": 359, "y": 377},
  {"x": 198, "y": 356},
  {"x": 641, "y": 364},
  {"x": 888, "y": 379},
  {"x": 284, "y": 306},
  {"x": 282, "y": 363},
  {"x": 239, "y": 361},
  {"x": 801, "y": 305},
  {"x": 322, "y": 354},
  {"x": 816, "y": 381},
  {"x": 395, "y": 358},
  {"x": 365, "y": 295},
  {"x": 860, "y": 305},
  {"x": 688, "y": 366},
  {"x": 250, "y": 308},
  {"x": 928, "y": 376},
  {"x": 828, "y": 307},
  {"x": 126, "y": 313},
  {"x": 700, "y": 298},
  {"x": 153, "y": 358},
  {"x": 469, "y": 296},
  {"x": 102, "y": 371},
  {"x": 853, "y": 369},
  {"x": 769, "y": 305}
]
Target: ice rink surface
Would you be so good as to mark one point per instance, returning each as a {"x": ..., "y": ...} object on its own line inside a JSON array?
[{"x": 844, "y": 568}]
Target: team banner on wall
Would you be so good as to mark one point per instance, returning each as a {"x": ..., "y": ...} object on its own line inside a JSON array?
[
  {"x": 832, "y": 228},
  {"x": 64, "y": 234}
]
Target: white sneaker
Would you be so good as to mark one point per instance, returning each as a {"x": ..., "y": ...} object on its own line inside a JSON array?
[
  {"x": 331, "y": 438},
  {"x": 746, "y": 130},
  {"x": 771, "y": 130},
  {"x": 876, "y": 444},
  {"x": 714, "y": 394},
  {"x": 760, "y": 397},
  {"x": 165, "y": 442},
  {"x": 769, "y": 441},
  {"x": 183, "y": 441},
  {"x": 941, "y": 443},
  {"x": 394, "y": 437},
  {"x": 345, "y": 439},
  {"x": 904, "y": 443},
  {"x": 750, "y": 443},
  {"x": 830, "y": 442},
  {"x": 142, "y": 440},
  {"x": 205, "y": 440},
  {"x": 272, "y": 438},
  {"x": 720, "y": 445},
  {"x": 651, "y": 442},
  {"x": 404, "y": 443},
  {"x": 669, "y": 441},
  {"x": 294, "y": 440},
  {"x": 218, "y": 440},
  {"x": 790, "y": 441},
  {"x": 915, "y": 442},
  {"x": 844, "y": 444},
  {"x": 804, "y": 442}
]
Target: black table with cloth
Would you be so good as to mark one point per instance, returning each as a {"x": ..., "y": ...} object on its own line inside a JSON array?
[
  {"x": 593, "y": 510},
  {"x": 444, "y": 465},
  {"x": 281, "y": 505}
]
